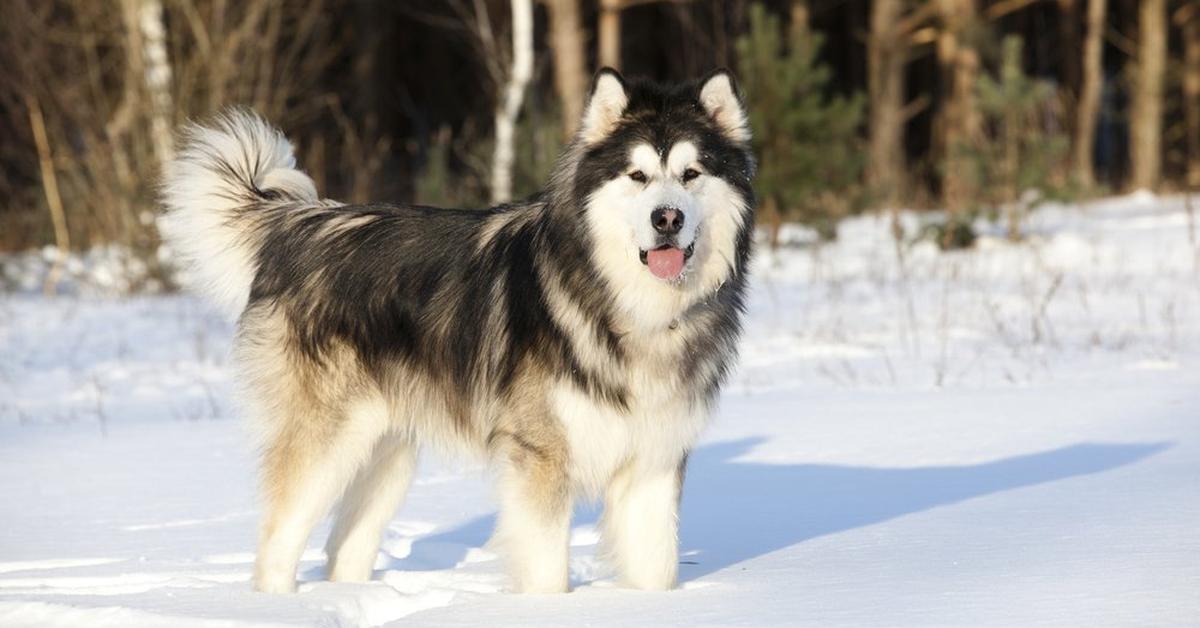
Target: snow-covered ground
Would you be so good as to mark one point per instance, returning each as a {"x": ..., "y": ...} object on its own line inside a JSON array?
[{"x": 1005, "y": 436}]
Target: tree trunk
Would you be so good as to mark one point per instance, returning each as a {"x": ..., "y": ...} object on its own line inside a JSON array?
[
  {"x": 570, "y": 61},
  {"x": 1068, "y": 42},
  {"x": 1147, "y": 107},
  {"x": 799, "y": 16},
  {"x": 1087, "y": 110},
  {"x": 58, "y": 217},
  {"x": 1191, "y": 92},
  {"x": 157, "y": 77},
  {"x": 960, "y": 123},
  {"x": 608, "y": 34},
  {"x": 514, "y": 94},
  {"x": 885, "y": 86}
]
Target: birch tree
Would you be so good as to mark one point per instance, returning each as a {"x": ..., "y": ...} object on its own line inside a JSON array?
[
  {"x": 146, "y": 36},
  {"x": 512, "y": 97}
]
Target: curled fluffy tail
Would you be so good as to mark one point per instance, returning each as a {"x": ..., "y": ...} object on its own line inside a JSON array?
[{"x": 225, "y": 176}]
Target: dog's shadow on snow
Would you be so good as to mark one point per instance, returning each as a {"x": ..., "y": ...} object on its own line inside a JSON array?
[{"x": 733, "y": 511}]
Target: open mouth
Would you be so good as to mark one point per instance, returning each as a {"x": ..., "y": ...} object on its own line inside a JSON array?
[{"x": 666, "y": 261}]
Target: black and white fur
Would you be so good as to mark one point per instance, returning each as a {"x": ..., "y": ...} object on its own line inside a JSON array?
[{"x": 532, "y": 334}]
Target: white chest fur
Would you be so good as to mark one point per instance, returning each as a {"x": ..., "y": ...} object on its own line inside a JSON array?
[{"x": 656, "y": 430}]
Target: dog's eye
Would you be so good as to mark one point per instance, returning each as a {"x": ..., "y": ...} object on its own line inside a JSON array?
[
  {"x": 689, "y": 174},
  {"x": 638, "y": 175}
]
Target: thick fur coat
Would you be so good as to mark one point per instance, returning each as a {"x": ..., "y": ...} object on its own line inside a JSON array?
[{"x": 577, "y": 339}]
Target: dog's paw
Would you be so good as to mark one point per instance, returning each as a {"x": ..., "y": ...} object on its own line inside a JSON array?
[{"x": 274, "y": 584}]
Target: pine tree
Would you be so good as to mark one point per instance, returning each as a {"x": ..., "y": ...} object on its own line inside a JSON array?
[
  {"x": 1020, "y": 162},
  {"x": 809, "y": 152}
]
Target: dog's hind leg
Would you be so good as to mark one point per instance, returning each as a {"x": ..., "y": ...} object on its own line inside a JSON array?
[
  {"x": 368, "y": 505},
  {"x": 307, "y": 467},
  {"x": 535, "y": 513},
  {"x": 640, "y": 525}
]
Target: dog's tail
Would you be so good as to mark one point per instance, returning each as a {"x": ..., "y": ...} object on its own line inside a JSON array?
[{"x": 218, "y": 190}]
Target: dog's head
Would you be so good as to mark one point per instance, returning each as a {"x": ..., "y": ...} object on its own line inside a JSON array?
[{"x": 664, "y": 178}]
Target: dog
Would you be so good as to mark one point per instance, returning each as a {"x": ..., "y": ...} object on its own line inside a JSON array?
[{"x": 576, "y": 340}]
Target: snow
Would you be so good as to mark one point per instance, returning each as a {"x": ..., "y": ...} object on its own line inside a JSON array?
[{"x": 1002, "y": 436}]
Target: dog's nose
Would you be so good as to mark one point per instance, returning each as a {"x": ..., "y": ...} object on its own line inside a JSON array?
[{"x": 667, "y": 220}]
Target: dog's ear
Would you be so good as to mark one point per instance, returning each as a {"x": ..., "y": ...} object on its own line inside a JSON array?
[
  {"x": 720, "y": 99},
  {"x": 606, "y": 102}
]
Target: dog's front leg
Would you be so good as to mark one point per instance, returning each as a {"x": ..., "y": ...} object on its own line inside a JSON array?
[
  {"x": 535, "y": 516},
  {"x": 641, "y": 525}
]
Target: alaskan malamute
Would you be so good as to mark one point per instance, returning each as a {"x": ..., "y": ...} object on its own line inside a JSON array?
[{"x": 576, "y": 339}]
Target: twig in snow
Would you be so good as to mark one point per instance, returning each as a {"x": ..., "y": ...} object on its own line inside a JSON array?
[
  {"x": 101, "y": 417},
  {"x": 912, "y": 337}
]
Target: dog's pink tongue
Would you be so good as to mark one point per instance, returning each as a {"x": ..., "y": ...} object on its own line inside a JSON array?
[{"x": 665, "y": 263}]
